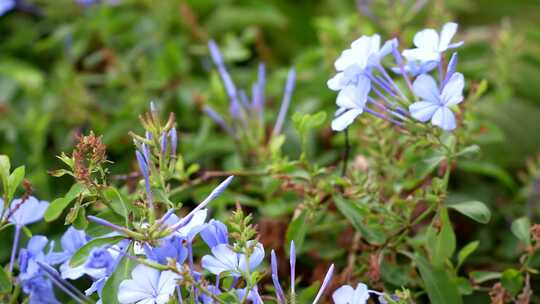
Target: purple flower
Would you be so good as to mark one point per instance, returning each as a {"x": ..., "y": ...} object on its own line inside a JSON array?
[
  {"x": 429, "y": 44},
  {"x": 27, "y": 212},
  {"x": 147, "y": 286},
  {"x": 435, "y": 105},
  {"x": 253, "y": 295},
  {"x": 215, "y": 233},
  {"x": 225, "y": 260}
]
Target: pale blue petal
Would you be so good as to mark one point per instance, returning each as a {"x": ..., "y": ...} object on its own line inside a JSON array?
[
  {"x": 427, "y": 39},
  {"x": 423, "y": 110},
  {"x": 344, "y": 120},
  {"x": 452, "y": 93},
  {"x": 421, "y": 54},
  {"x": 167, "y": 283},
  {"x": 354, "y": 96},
  {"x": 426, "y": 88},
  {"x": 343, "y": 295},
  {"x": 447, "y": 33},
  {"x": 31, "y": 211},
  {"x": 336, "y": 83},
  {"x": 361, "y": 294},
  {"x": 346, "y": 59},
  {"x": 444, "y": 118}
]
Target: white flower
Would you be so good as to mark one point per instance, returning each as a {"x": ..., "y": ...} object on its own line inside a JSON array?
[{"x": 429, "y": 44}]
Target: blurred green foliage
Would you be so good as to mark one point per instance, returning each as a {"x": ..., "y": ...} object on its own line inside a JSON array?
[{"x": 66, "y": 69}]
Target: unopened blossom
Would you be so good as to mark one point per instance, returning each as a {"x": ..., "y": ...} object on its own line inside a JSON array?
[
  {"x": 435, "y": 105},
  {"x": 430, "y": 44},
  {"x": 147, "y": 286}
]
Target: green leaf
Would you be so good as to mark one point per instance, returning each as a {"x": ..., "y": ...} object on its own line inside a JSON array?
[
  {"x": 464, "y": 286},
  {"x": 480, "y": 277},
  {"x": 14, "y": 180},
  {"x": 512, "y": 280},
  {"x": 466, "y": 251},
  {"x": 117, "y": 202},
  {"x": 521, "y": 228},
  {"x": 5, "y": 282},
  {"x": 122, "y": 272},
  {"x": 57, "y": 206},
  {"x": 297, "y": 230},
  {"x": 476, "y": 210},
  {"x": 5, "y": 166},
  {"x": 445, "y": 242},
  {"x": 441, "y": 289},
  {"x": 356, "y": 215},
  {"x": 82, "y": 254}
]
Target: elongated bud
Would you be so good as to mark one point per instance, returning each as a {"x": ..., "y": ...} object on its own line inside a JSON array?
[
  {"x": 292, "y": 254},
  {"x": 451, "y": 69},
  {"x": 174, "y": 140},
  {"x": 289, "y": 87},
  {"x": 325, "y": 283},
  {"x": 218, "y": 120},
  {"x": 163, "y": 148}
]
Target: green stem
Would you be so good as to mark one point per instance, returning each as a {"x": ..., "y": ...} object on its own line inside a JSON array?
[{"x": 15, "y": 295}]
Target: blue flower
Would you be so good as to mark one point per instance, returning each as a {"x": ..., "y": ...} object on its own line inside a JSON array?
[
  {"x": 348, "y": 295},
  {"x": 253, "y": 295},
  {"x": 169, "y": 248},
  {"x": 429, "y": 44},
  {"x": 215, "y": 233},
  {"x": 6, "y": 6},
  {"x": 34, "y": 282},
  {"x": 365, "y": 52},
  {"x": 226, "y": 260},
  {"x": 147, "y": 286},
  {"x": 24, "y": 212},
  {"x": 415, "y": 67},
  {"x": 351, "y": 101},
  {"x": 71, "y": 241},
  {"x": 434, "y": 105},
  {"x": 190, "y": 229}
]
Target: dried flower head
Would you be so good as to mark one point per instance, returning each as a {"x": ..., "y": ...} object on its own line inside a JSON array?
[{"x": 89, "y": 154}]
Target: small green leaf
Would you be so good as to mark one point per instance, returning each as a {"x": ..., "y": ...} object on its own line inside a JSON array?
[
  {"x": 14, "y": 180},
  {"x": 476, "y": 210},
  {"x": 512, "y": 280},
  {"x": 521, "y": 228},
  {"x": 480, "y": 277},
  {"x": 464, "y": 286},
  {"x": 356, "y": 216},
  {"x": 466, "y": 251},
  {"x": 440, "y": 287},
  {"x": 5, "y": 282},
  {"x": 5, "y": 166},
  {"x": 57, "y": 206},
  {"x": 82, "y": 254},
  {"x": 117, "y": 202},
  {"x": 445, "y": 242},
  {"x": 297, "y": 230}
]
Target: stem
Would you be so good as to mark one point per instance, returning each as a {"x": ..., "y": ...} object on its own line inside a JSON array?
[
  {"x": 346, "y": 152},
  {"x": 15, "y": 246},
  {"x": 15, "y": 294}
]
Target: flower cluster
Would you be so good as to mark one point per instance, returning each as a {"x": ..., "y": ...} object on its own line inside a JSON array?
[
  {"x": 364, "y": 85},
  {"x": 248, "y": 113}
]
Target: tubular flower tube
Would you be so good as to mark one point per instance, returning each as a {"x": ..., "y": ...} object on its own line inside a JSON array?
[
  {"x": 280, "y": 295},
  {"x": 143, "y": 166},
  {"x": 289, "y": 87},
  {"x": 218, "y": 120},
  {"x": 214, "y": 194},
  {"x": 230, "y": 88},
  {"x": 292, "y": 255}
]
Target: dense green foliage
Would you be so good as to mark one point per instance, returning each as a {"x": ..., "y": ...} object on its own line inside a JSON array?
[{"x": 66, "y": 70}]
